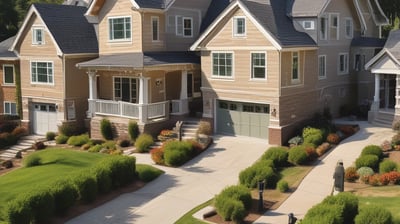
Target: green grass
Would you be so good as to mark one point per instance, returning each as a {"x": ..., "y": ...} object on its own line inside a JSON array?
[
  {"x": 56, "y": 163},
  {"x": 188, "y": 217},
  {"x": 147, "y": 173},
  {"x": 294, "y": 174}
]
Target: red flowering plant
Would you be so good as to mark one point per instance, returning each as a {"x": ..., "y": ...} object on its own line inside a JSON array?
[
  {"x": 333, "y": 138},
  {"x": 392, "y": 177},
  {"x": 167, "y": 134}
]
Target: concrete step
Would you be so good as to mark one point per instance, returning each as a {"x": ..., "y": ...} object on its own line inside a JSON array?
[
  {"x": 11, "y": 151},
  {"x": 8, "y": 155}
]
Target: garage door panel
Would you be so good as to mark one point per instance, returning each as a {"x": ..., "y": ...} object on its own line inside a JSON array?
[{"x": 44, "y": 121}]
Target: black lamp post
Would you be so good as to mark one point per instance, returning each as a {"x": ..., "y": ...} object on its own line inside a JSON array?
[
  {"x": 292, "y": 219},
  {"x": 260, "y": 195}
]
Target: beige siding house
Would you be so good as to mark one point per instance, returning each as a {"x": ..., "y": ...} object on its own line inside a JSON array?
[{"x": 52, "y": 39}]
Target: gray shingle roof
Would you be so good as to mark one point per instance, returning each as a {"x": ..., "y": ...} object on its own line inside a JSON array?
[
  {"x": 153, "y": 4},
  {"x": 393, "y": 43},
  {"x": 368, "y": 42},
  {"x": 140, "y": 60},
  {"x": 271, "y": 14},
  {"x": 69, "y": 27},
  {"x": 4, "y": 46},
  {"x": 307, "y": 8},
  {"x": 213, "y": 11}
]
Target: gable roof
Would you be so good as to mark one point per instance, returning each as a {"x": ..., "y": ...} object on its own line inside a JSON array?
[
  {"x": 391, "y": 50},
  {"x": 6, "y": 54},
  {"x": 214, "y": 9},
  {"x": 96, "y": 5},
  {"x": 308, "y": 8},
  {"x": 270, "y": 17},
  {"x": 67, "y": 26}
]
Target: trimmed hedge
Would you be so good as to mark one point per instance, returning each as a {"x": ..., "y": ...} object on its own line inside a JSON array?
[
  {"x": 78, "y": 140},
  {"x": 260, "y": 171},
  {"x": 282, "y": 186},
  {"x": 133, "y": 130},
  {"x": 123, "y": 169},
  {"x": 372, "y": 150},
  {"x": 298, "y": 155},
  {"x": 106, "y": 129},
  {"x": 102, "y": 173},
  {"x": 86, "y": 185},
  {"x": 143, "y": 142},
  {"x": 61, "y": 139},
  {"x": 176, "y": 153},
  {"x": 387, "y": 166},
  {"x": 324, "y": 213},
  {"x": 65, "y": 195},
  {"x": 232, "y": 203},
  {"x": 373, "y": 214},
  {"x": 350, "y": 203},
  {"x": 279, "y": 155},
  {"x": 370, "y": 160},
  {"x": 18, "y": 211},
  {"x": 148, "y": 173}
]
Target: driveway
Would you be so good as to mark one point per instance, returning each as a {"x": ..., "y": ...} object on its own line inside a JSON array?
[{"x": 179, "y": 190}]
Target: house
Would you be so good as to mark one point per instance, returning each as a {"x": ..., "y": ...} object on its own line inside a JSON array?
[
  {"x": 268, "y": 65},
  {"x": 144, "y": 71},
  {"x": 50, "y": 42},
  {"x": 9, "y": 67}
]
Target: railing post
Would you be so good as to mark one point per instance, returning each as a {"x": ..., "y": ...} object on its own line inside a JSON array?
[{"x": 143, "y": 113}]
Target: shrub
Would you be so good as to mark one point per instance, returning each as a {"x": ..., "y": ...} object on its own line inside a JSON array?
[
  {"x": 396, "y": 138},
  {"x": 18, "y": 212},
  {"x": 364, "y": 173},
  {"x": 282, "y": 186},
  {"x": 143, "y": 142},
  {"x": 39, "y": 145},
  {"x": 7, "y": 126},
  {"x": 95, "y": 148},
  {"x": 392, "y": 177},
  {"x": 61, "y": 139},
  {"x": 19, "y": 131},
  {"x": 123, "y": 169},
  {"x": 86, "y": 185},
  {"x": 387, "y": 165},
  {"x": 312, "y": 135},
  {"x": 260, "y": 171},
  {"x": 7, "y": 164},
  {"x": 386, "y": 146},
  {"x": 65, "y": 196},
  {"x": 157, "y": 155},
  {"x": 351, "y": 174},
  {"x": 102, "y": 175},
  {"x": 50, "y": 136},
  {"x": 67, "y": 129},
  {"x": 112, "y": 145},
  {"x": 123, "y": 142},
  {"x": 333, "y": 138},
  {"x": 78, "y": 140},
  {"x": 297, "y": 140},
  {"x": 374, "y": 180},
  {"x": 372, "y": 150},
  {"x": 7, "y": 139},
  {"x": 324, "y": 213},
  {"x": 106, "y": 129},
  {"x": 41, "y": 202},
  {"x": 311, "y": 151},
  {"x": 322, "y": 149},
  {"x": 230, "y": 209},
  {"x": 133, "y": 130},
  {"x": 177, "y": 153},
  {"x": 371, "y": 161},
  {"x": 297, "y": 155},
  {"x": 373, "y": 214},
  {"x": 32, "y": 160},
  {"x": 349, "y": 202},
  {"x": 148, "y": 173},
  {"x": 204, "y": 128},
  {"x": 279, "y": 155},
  {"x": 225, "y": 199}
]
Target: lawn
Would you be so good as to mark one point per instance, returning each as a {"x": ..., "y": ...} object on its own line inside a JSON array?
[{"x": 56, "y": 163}]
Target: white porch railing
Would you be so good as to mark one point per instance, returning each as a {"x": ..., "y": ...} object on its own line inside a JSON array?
[{"x": 179, "y": 107}]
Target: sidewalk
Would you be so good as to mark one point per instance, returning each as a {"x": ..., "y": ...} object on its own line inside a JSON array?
[{"x": 318, "y": 183}]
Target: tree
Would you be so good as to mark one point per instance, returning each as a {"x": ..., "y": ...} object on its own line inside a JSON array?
[{"x": 8, "y": 19}]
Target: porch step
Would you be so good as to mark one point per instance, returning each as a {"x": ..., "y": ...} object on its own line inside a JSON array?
[
  {"x": 24, "y": 143},
  {"x": 189, "y": 129},
  {"x": 384, "y": 119}
]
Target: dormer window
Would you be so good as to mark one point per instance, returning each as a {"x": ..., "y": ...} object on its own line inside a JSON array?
[
  {"x": 119, "y": 28},
  {"x": 308, "y": 25},
  {"x": 38, "y": 36},
  {"x": 239, "y": 26}
]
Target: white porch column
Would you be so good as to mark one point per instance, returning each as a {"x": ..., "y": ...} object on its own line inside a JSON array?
[
  {"x": 184, "y": 96},
  {"x": 92, "y": 93},
  {"x": 375, "y": 104},
  {"x": 143, "y": 99}
]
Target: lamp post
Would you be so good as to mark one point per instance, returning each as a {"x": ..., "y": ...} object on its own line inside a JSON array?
[
  {"x": 292, "y": 219},
  {"x": 260, "y": 195}
]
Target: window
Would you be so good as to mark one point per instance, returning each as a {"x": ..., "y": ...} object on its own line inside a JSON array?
[
  {"x": 349, "y": 28},
  {"x": 258, "y": 66},
  {"x": 187, "y": 27},
  {"x": 119, "y": 28},
  {"x": 359, "y": 62},
  {"x": 155, "y": 21},
  {"x": 322, "y": 67},
  {"x": 222, "y": 64},
  {"x": 10, "y": 108},
  {"x": 42, "y": 72},
  {"x": 8, "y": 75},
  {"x": 323, "y": 29},
  {"x": 334, "y": 26},
  {"x": 308, "y": 25},
  {"x": 295, "y": 66},
  {"x": 38, "y": 36},
  {"x": 343, "y": 63},
  {"x": 239, "y": 26},
  {"x": 126, "y": 89}
]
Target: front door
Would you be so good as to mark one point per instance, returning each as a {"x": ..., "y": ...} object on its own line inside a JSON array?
[{"x": 387, "y": 92}]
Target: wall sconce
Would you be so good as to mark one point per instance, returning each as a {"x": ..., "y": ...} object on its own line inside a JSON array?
[
  {"x": 273, "y": 112},
  {"x": 158, "y": 82}
]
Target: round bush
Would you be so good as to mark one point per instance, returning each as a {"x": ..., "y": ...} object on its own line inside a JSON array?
[
  {"x": 32, "y": 160},
  {"x": 133, "y": 130},
  {"x": 177, "y": 153},
  {"x": 351, "y": 174},
  {"x": 313, "y": 135},
  {"x": 373, "y": 214},
  {"x": 148, "y": 173},
  {"x": 364, "y": 173},
  {"x": 87, "y": 186},
  {"x": 372, "y": 150},
  {"x": 297, "y": 155},
  {"x": 349, "y": 202},
  {"x": 78, "y": 140},
  {"x": 259, "y": 171},
  {"x": 279, "y": 155},
  {"x": 106, "y": 129},
  {"x": 62, "y": 139},
  {"x": 95, "y": 148},
  {"x": 231, "y": 210},
  {"x": 324, "y": 213},
  {"x": 371, "y": 161},
  {"x": 65, "y": 196},
  {"x": 50, "y": 136},
  {"x": 123, "y": 169},
  {"x": 282, "y": 186},
  {"x": 143, "y": 142},
  {"x": 238, "y": 193},
  {"x": 387, "y": 166}
]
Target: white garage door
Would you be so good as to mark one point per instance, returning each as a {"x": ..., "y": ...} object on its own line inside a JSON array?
[
  {"x": 246, "y": 119},
  {"x": 44, "y": 118}
]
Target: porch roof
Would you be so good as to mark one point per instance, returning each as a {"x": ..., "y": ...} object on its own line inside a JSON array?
[
  {"x": 368, "y": 42},
  {"x": 140, "y": 60},
  {"x": 4, "y": 52}
]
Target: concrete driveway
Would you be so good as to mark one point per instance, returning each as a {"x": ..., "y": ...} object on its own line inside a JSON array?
[{"x": 179, "y": 190}]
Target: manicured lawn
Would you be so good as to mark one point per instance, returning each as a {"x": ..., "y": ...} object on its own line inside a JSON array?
[
  {"x": 188, "y": 217},
  {"x": 56, "y": 163}
]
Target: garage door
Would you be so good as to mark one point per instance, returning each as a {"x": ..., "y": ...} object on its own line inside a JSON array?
[
  {"x": 246, "y": 119},
  {"x": 44, "y": 118}
]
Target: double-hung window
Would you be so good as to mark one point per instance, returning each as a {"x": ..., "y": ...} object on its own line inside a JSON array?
[
  {"x": 37, "y": 36},
  {"x": 155, "y": 26},
  {"x": 334, "y": 26},
  {"x": 8, "y": 75},
  {"x": 119, "y": 28},
  {"x": 349, "y": 28},
  {"x": 222, "y": 64},
  {"x": 295, "y": 66},
  {"x": 239, "y": 26},
  {"x": 42, "y": 72},
  {"x": 10, "y": 108},
  {"x": 322, "y": 66},
  {"x": 343, "y": 65},
  {"x": 187, "y": 27},
  {"x": 323, "y": 32},
  {"x": 258, "y": 66}
]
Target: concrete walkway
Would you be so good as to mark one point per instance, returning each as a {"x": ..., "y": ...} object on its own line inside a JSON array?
[
  {"x": 179, "y": 190},
  {"x": 319, "y": 182}
]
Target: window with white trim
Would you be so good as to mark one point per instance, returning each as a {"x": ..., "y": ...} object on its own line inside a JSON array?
[
  {"x": 187, "y": 26},
  {"x": 295, "y": 66},
  {"x": 334, "y": 26},
  {"x": 323, "y": 31},
  {"x": 308, "y": 25},
  {"x": 8, "y": 75},
  {"x": 42, "y": 72},
  {"x": 126, "y": 89},
  {"x": 222, "y": 64},
  {"x": 349, "y": 28},
  {"x": 119, "y": 28},
  {"x": 37, "y": 36},
  {"x": 10, "y": 108},
  {"x": 239, "y": 26},
  {"x": 155, "y": 26},
  {"x": 343, "y": 66},
  {"x": 258, "y": 66},
  {"x": 322, "y": 66}
]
